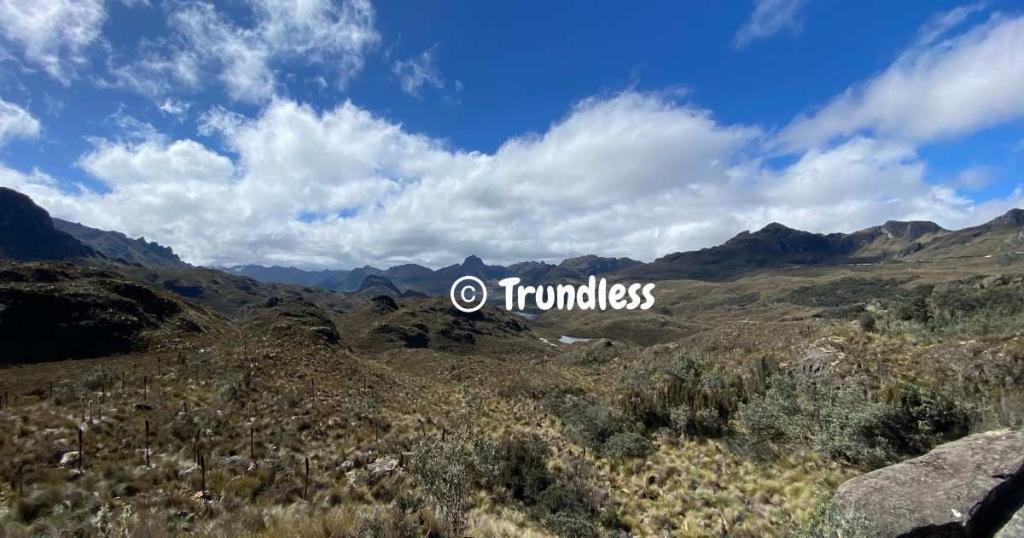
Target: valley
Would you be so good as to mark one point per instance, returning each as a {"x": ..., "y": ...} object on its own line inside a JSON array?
[{"x": 771, "y": 371}]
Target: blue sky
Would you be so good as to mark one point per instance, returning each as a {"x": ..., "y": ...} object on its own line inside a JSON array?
[{"x": 331, "y": 134}]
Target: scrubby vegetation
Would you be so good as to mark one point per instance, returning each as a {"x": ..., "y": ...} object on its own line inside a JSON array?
[
  {"x": 742, "y": 426},
  {"x": 847, "y": 425}
]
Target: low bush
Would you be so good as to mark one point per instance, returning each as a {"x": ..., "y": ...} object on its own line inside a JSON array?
[
  {"x": 844, "y": 424},
  {"x": 625, "y": 445},
  {"x": 515, "y": 467},
  {"x": 587, "y": 421},
  {"x": 686, "y": 395}
]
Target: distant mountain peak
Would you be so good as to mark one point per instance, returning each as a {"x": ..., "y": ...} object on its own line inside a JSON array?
[
  {"x": 377, "y": 281},
  {"x": 473, "y": 262},
  {"x": 910, "y": 230},
  {"x": 1013, "y": 217},
  {"x": 776, "y": 227}
]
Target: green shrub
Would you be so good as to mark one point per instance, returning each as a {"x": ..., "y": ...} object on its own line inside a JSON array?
[
  {"x": 850, "y": 428},
  {"x": 779, "y": 417},
  {"x": 626, "y": 445},
  {"x": 867, "y": 321},
  {"x": 685, "y": 395},
  {"x": 516, "y": 466},
  {"x": 844, "y": 424},
  {"x": 442, "y": 467},
  {"x": 844, "y": 292},
  {"x": 36, "y": 505},
  {"x": 827, "y": 522},
  {"x": 571, "y": 525},
  {"x": 588, "y": 422}
]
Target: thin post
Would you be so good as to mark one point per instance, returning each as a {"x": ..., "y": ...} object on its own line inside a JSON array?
[
  {"x": 202, "y": 475},
  {"x": 305, "y": 487},
  {"x": 81, "y": 448},
  {"x": 252, "y": 448}
]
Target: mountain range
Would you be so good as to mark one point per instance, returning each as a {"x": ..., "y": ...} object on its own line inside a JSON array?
[{"x": 27, "y": 232}]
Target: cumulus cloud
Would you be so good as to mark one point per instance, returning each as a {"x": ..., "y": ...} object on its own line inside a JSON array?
[
  {"x": 769, "y": 18},
  {"x": 419, "y": 72},
  {"x": 336, "y": 35},
  {"x": 938, "y": 89},
  {"x": 182, "y": 163},
  {"x": 629, "y": 174},
  {"x": 16, "y": 122},
  {"x": 53, "y": 35}
]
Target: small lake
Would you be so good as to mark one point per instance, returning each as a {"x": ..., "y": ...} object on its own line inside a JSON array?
[{"x": 572, "y": 339}]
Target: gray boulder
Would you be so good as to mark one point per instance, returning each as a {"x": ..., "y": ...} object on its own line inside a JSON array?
[{"x": 969, "y": 487}]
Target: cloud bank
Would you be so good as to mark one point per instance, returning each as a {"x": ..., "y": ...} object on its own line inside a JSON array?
[{"x": 638, "y": 174}]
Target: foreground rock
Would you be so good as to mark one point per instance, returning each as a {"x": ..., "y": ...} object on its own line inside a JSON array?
[{"x": 969, "y": 487}]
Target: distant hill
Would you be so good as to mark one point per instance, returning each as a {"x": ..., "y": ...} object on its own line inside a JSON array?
[
  {"x": 375, "y": 285},
  {"x": 1001, "y": 236},
  {"x": 118, "y": 246},
  {"x": 777, "y": 246},
  {"x": 27, "y": 232},
  {"x": 436, "y": 282},
  {"x": 282, "y": 275},
  {"x": 774, "y": 246}
]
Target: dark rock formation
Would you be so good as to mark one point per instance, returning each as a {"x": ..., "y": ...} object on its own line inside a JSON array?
[
  {"x": 118, "y": 246},
  {"x": 27, "y": 232},
  {"x": 59, "y": 311},
  {"x": 415, "y": 336},
  {"x": 970, "y": 487},
  {"x": 383, "y": 304}
]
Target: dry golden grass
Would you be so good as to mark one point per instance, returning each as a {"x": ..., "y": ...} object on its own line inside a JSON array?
[{"x": 343, "y": 408}]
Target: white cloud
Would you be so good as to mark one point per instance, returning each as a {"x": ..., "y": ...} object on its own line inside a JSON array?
[
  {"x": 334, "y": 35},
  {"x": 52, "y": 34},
  {"x": 174, "y": 108},
  {"x": 944, "y": 89},
  {"x": 16, "y": 122},
  {"x": 418, "y": 72},
  {"x": 944, "y": 21},
  {"x": 156, "y": 74},
  {"x": 631, "y": 174},
  {"x": 154, "y": 163},
  {"x": 769, "y": 18}
]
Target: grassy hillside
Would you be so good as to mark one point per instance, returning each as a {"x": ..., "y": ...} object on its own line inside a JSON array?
[{"x": 730, "y": 408}]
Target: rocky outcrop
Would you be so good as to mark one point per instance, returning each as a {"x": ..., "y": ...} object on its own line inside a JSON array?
[
  {"x": 27, "y": 232},
  {"x": 59, "y": 311},
  {"x": 383, "y": 304},
  {"x": 970, "y": 487},
  {"x": 117, "y": 246},
  {"x": 295, "y": 325},
  {"x": 415, "y": 336}
]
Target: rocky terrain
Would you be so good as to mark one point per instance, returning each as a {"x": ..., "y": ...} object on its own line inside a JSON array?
[{"x": 785, "y": 384}]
